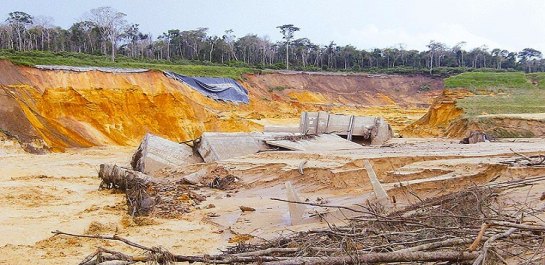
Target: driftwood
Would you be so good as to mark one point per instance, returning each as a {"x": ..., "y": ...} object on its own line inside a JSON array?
[
  {"x": 121, "y": 178},
  {"x": 481, "y": 258},
  {"x": 133, "y": 183},
  {"x": 259, "y": 256},
  {"x": 524, "y": 160},
  {"x": 416, "y": 256},
  {"x": 146, "y": 195},
  {"x": 433, "y": 230}
]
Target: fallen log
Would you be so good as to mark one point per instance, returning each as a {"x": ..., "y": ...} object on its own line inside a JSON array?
[
  {"x": 116, "y": 177},
  {"x": 133, "y": 183}
]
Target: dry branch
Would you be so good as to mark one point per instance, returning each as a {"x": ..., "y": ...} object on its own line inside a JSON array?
[
  {"x": 433, "y": 230},
  {"x": 417, "y": 256},
  {"x": 477, "y": 241},
  {"x": 481, "y": 258}
]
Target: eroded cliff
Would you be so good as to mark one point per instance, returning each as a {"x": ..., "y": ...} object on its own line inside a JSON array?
[{"x": 58, "y": 109}]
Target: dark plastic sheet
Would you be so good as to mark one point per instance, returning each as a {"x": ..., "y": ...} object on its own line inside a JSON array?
[{"x": 219, "y": 88}]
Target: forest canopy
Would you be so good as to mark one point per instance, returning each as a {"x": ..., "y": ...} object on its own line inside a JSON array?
[{"x": 105, "y": 31}]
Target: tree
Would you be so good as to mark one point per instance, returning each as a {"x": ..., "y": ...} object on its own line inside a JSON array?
[
  {"x": 229, "y": 39},
  {"x": 287, "y": 32},
  {"x": 528, "y": 56},
  {"x": 500, "y": 56},
  {"x": 435, "y": 48},
  {"x": 19, "y": 21},
  {"x": 459, "y": 52},
  {"x": 111, "y": 23}
]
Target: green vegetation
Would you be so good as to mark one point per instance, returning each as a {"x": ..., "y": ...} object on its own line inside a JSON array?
[
  {"x": 507, "y": 101},
  {"x": 233, "y": 69},
  {"x": 472, "y": 80},
  {"x": 537, "y": 79},
  {"x": 500, "y": 93},
  {"x": 80, "y": 59}
]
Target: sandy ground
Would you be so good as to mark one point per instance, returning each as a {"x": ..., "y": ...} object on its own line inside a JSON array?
[{"x": 42, "y": 193}]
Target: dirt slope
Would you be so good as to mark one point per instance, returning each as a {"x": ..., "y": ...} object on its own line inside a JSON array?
[
  {"x": 499, "y": 126},
  {"x": 446, "y": 119},
  {"x": 361, "y": 89},
  {"x": 57, "y": 109},
  {"x": 441, "y": 113}
]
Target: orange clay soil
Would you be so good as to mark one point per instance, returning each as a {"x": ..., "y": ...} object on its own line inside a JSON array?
[
  {"x": 56, "y": 109},
  {"x": 439, "y": 117}
]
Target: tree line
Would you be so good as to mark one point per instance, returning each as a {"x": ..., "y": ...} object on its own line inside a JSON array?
[{"x": 105, "y": 31}]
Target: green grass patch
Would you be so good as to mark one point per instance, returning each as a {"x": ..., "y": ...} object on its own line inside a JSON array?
[
  {"x": 190, "y": 68},
  {"x": 538, "y": 79},
  {"x": 505, "y": 101},
  {"x": 500, "y": 93},
  {"x": 473, "y": 80}
]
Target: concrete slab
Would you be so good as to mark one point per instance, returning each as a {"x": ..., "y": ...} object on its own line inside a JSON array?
[
  {"x": 215, "y": 146},
  {"x": 279, "y": 128},
  {"x": 380, "y": 192},
  {"x": 375, "y": 129},
  {"x": 296, "y": 210},
  {"x": 323, "y": 142},
  {"x": 156, "y": 153}
]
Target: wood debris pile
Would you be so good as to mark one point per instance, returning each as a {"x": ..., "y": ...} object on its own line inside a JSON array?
[
  {"x": 526, "y": 161},
  {"x": 470, "y": 225},
  {"x": 148, "y": 196},
  {"x": 474, "y": 226}
]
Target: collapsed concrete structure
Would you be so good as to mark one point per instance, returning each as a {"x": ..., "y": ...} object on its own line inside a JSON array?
[
  {"x": 373, "y": 130},
  {"x": 156, "y": 153},
  {"x": 316, "y": 143},
  {"x": 319, "y": 131},
  {"x": 215, "y": 146}
]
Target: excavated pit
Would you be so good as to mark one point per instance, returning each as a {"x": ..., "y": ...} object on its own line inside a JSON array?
[
  {"x": 64, "y": 110},
  {"x": 54, "y": 109}
]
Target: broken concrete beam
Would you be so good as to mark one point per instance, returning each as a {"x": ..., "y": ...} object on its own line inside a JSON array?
[
  {"x": 215, "y": 146},
  {"x": 156, "y": 153},
  {"x": 381, "y": 133},
  {"x": 296, "y": 210},
  {"x": 195, "y": 178},
  {"x": 374, "y": 129},
  {"x": 380, "y": 192},
  {"x": 324, "y": 142}
]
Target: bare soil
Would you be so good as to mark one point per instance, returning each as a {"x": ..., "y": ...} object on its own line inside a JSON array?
[{"x": 42, "y": 193}]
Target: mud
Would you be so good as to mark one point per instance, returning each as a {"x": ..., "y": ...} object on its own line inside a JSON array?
[{"x": 60, "y": 191}]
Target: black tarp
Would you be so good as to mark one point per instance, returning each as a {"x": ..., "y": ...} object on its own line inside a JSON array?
[{"x": 218, "y": 88}]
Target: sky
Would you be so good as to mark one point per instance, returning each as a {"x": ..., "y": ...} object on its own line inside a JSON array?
[{"x": 366, "y": 24}]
